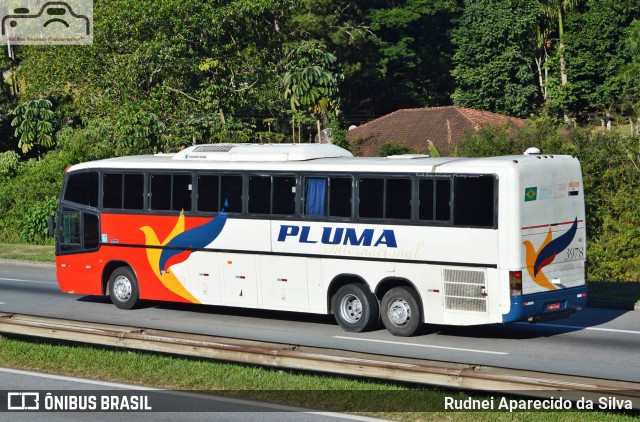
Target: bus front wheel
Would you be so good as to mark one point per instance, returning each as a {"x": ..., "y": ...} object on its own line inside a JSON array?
[
  {"x": 400, "y": 311},
  {"x": 356, "y": 308},
  {"x": 123, "y": 288}
]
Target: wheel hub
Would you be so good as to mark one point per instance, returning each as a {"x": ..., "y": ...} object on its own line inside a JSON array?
[
  {"x": 122, "y": 288},
  {"x": 351, "y": 308},
  {"x": 399, "y": 312}
]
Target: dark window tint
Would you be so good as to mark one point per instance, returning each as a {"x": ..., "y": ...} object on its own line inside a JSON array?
[
  {"x": 435, "y": 199},
  {"x": 426, "y": 194},
  {"x": 134, "y": 191},
  {"x": 82, "y": 188},
  {"x": 181, "y": 198},
  {"x": 371, "y": 198},
  {"x": 91, "y": 231},
  {"x": 340, "y": 194},
  {"x": 284, "y": 195},
  {"x": 208, "y": 193},
  {"x": 474, "y": 202},
  {"x": 443, "y": 200},
  {"x": 171, "y": 192},
  {"x": 231, "y": 193},
  {"x": 259, "y": 194},
  {"x": 160, "y": 192},
  {"x": 123, "y": 191},
  {"x": 398, "y": 204},
  {"x": 112, "y": 191}
]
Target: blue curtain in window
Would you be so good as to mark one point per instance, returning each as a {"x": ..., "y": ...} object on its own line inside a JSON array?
[{"x": 316, "y": 194}]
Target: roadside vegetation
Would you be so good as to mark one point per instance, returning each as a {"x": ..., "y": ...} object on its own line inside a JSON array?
[{"x": 316, "y": 391}]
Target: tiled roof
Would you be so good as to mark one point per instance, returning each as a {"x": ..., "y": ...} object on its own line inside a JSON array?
[{"x": 414, "y": 127}]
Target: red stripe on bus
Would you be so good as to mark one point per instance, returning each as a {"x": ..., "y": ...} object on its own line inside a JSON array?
[{"x": 550, "y": 225}]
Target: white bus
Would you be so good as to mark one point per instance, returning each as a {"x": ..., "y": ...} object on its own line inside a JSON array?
[{"x": 310, "y": 228}]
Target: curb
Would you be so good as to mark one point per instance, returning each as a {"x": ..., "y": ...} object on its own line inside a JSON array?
[{"x": 23, "y": 263}]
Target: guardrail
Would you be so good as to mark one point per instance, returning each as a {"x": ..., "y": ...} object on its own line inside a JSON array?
[{"x": 447, "y": 374}]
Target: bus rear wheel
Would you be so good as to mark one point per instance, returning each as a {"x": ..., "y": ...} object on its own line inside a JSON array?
[
  {"x": 400, "y": 311},
  {"x": 123, "y": 288},
  {"x": 356, "y": 308}
]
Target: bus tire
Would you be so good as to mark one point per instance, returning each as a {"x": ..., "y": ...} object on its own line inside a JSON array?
[
  {"x": 356, "y": 308},
  {"x": 400, "y": 311},
  {"x": 123, "y": 288}
]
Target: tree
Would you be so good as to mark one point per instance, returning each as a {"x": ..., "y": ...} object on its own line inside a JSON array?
[
  {"x": 34, "y": 124},
  {"x": 492, "y": 64},
  {"x": 311, "y": 80}
]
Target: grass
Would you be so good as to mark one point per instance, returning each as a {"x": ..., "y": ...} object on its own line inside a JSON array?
[
  {"x": 331, "y": 393},
  {"x": 41, "y": 253}
]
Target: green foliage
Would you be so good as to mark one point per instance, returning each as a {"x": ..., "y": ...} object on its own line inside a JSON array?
[
  {"x": 611, "y": 177},
  {"x": 394, "y": 148},
  {"x": 492, "y": 62},
  {"x": 34, "y": 124},
  {"x": 9, "y": 162},
  {"x": 33, "y": 225},
  {"x": 311, "y": 79}
]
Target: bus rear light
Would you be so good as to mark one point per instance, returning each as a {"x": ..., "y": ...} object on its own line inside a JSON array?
[
  {"x": 582, "y": 295},
  {"x": 528, "y": 303},
  {"x": 515, "y": 283}
]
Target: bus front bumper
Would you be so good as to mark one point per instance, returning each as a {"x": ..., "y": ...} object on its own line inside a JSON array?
[{"x": 546, "y": 306}]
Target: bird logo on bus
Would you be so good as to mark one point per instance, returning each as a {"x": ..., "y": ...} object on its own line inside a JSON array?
[
  {"x": 546, "y": 254},
  {"x": 178, "y": 246}
]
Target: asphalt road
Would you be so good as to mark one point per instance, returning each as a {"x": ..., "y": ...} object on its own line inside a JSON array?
[{"x": 601, "y": 343}]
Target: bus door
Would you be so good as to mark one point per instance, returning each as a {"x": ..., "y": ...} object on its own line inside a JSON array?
[{"x": 78, "y": 232}]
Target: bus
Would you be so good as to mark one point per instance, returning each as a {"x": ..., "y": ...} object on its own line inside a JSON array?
[{"x": 408, "y": 239}]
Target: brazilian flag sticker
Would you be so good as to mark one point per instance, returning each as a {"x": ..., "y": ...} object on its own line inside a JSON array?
[{"x": 530, "y": 194}]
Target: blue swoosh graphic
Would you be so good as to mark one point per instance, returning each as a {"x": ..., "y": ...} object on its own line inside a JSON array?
[{"x": 548, "y": 254}]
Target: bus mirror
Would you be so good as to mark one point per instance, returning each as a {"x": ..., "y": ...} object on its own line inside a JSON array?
[{"x": 52, "y": 226}]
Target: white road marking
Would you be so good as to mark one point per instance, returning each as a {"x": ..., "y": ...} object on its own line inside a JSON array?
[
  {"x": 28, "y": 281},
  {"x": 423, "y": 345},
  {"x": 577, "y": 327}
]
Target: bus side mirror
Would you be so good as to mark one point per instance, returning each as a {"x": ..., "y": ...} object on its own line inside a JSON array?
[{"x": 52, "y": 226}]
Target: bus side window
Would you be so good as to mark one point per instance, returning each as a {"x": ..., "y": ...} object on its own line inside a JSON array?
[
  {"x": 259, "y": 194},
  {"x": 474, "y": 203},
  {"x": 398, "y": 199},
  {"x": 112, "y": 190},
  {"x": 82, "y": 188},
  {"x": 435, "y": 199},
  {"x": 123, "y": 191},
  {"x": 284, "y": 195},
  {"x": 340, "y": 196},
  {"x": 208, "y": 193},
  {"x": 171, "y": 192},
  {"x": 133, "y": 191},
  {"x": 231, "y": 193},
  {"x": 371, "y": 198},
  {"x": 181, "y": 197},
  {"x": 315, "y": 195}
]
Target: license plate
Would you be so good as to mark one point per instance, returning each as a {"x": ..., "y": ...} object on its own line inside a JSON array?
[{"x": 555, "y": 306}]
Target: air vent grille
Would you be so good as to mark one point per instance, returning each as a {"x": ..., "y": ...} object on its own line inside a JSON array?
[{"x": 464, "y": 290}]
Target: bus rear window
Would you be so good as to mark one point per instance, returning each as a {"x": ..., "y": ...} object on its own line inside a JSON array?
[{"x": 82, "y": 188}]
